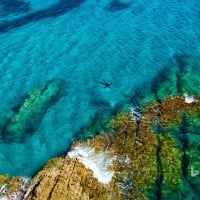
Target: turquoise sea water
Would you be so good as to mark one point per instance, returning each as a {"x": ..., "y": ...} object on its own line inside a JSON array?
[{"x": 125, "y": 42}]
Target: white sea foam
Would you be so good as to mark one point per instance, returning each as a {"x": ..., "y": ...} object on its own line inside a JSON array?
[
  {"x": 135, "y": 116},
  {"x": 189, "y": 99},
  {"x": 18, "y": 194},
  {"x": 98, "y": 163},
  {"x": 24, "y": 183},
  {"x": 4, "y": 189},
  {"x": 4, "y": 198},
  {"x": 194, "y": 172}
]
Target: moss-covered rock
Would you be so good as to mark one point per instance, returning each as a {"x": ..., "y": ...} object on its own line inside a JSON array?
[{"x": 171, "y": 165}]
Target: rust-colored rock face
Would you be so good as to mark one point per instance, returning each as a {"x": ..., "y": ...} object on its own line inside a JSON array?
[{"x": 68, "y": 178}]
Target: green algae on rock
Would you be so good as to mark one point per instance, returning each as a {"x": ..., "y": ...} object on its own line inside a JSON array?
[
  {"x": 30, "y": 112},
  {"x": 171, "y": 164},
  {"x": 134, "y": 162}
]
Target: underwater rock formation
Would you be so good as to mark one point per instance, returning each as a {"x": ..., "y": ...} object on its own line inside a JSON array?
[
  {"x": 30, "y": 112},
  {"x": 180, "y": 78},
  {"x": 151, "y": 150}
]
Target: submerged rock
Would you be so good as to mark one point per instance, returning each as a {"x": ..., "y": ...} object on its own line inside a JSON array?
[
  {"x": 177, "y": 79},
  {"x": 27, "y": 116}
]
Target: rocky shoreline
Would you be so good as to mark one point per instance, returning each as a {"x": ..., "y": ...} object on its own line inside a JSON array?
[{"x": 151, "y": 151}]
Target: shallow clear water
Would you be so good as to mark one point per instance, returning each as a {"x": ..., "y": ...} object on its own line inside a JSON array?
[{"x": 124, "y": 42}]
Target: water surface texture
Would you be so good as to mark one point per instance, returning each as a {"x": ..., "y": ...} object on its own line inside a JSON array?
[{"x": 126, "y": 42}]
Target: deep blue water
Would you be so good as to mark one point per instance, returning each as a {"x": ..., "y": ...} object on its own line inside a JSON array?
[{"x": 125, "y": 42}]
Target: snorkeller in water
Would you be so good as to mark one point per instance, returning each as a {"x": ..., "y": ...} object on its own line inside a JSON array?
[{"x": 105, "y": 84}]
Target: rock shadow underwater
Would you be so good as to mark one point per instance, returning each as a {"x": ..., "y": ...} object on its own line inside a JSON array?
[
  {"x": 116, "y": 5},
  {"x": 14, "y": 6},
  {"x": 56, "y": 10}
]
